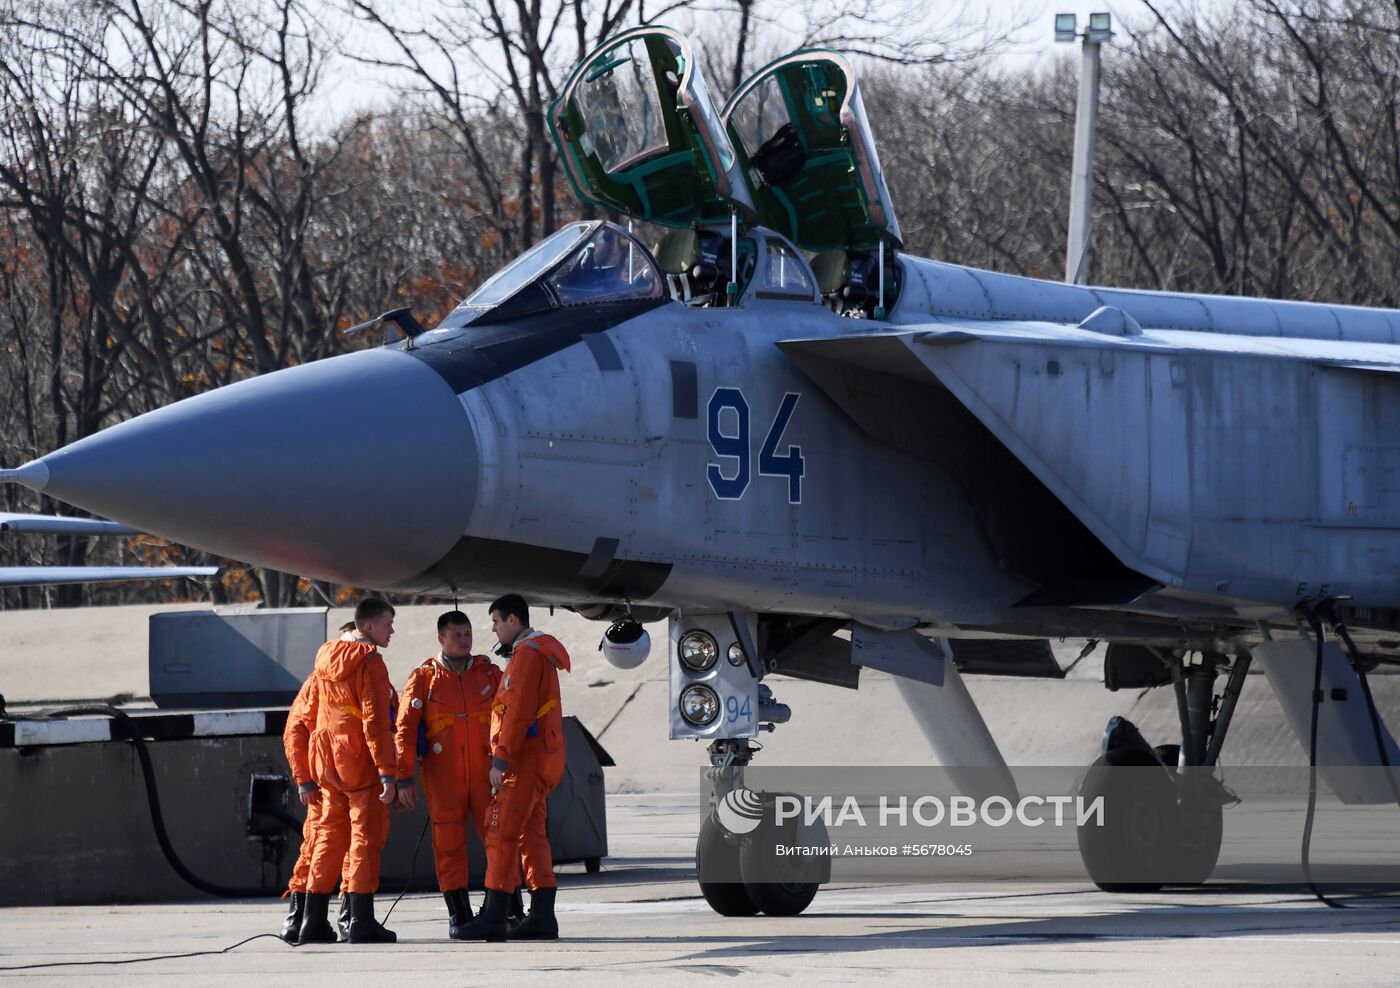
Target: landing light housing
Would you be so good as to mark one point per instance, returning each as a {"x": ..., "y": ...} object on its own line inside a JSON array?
[
  {"x": 698, "y": 651},
  {"x": 699, "y": 705}
]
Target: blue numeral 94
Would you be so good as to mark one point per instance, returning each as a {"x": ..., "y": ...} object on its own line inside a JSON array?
[
  {"x": 730, "y": 477},
  {"x": 734, "y": 710}
]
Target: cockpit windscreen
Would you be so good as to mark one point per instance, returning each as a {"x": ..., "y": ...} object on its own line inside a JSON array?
[
  {"x": 579, "y": 263},
  {"x": 611, "y": 265}
]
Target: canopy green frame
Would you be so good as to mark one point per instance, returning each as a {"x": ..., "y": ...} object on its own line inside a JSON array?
[
  {"x": 819, "y": 181},
  {"x": 678, "y": 174}
]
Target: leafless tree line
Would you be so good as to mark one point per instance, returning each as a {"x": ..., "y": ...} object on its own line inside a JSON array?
[
  {"x": 1252, "y": 151},
  {"x": 178, "y": 211}
]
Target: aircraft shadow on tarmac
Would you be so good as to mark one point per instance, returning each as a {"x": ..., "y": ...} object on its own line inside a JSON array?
[{"x": 1289, "y": 914}]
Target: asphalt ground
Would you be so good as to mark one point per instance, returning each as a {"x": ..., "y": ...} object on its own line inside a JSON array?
[{"x": 641, "y": 920}]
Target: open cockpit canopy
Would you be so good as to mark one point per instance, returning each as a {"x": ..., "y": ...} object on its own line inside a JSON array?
[
  {"x": 800, "y": 129},
  {"x": 638, "y": 133}
]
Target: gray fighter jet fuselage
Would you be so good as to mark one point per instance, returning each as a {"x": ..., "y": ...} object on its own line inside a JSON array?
[{"x": 1002, "y": 455}]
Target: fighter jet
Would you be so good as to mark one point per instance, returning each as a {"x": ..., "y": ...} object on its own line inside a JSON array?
[{"x": 812, "y": 452}]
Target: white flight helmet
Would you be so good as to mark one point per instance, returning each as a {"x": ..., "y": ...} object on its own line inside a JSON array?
[{"x": 626, "y": 644}]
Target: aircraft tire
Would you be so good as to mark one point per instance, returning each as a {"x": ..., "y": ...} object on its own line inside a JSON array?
[
  {"x": 1202, "y": 827},
  {"x": 782, "y": 898},
  {"x": 797, "y": 879},
  {"x": 1138, "y": 837},
  {"x": 715, "y": 854},
  {"x": 1203, "y": 824}
]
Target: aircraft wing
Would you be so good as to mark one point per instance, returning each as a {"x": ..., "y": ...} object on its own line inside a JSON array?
[
  {"x": 1116, "y": 421},
  {"x": 29, "y": 576},
  {"x": 59, "y": 525}
]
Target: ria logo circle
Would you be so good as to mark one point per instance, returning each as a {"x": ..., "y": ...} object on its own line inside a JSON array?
[{"x": 740, "y": 811}]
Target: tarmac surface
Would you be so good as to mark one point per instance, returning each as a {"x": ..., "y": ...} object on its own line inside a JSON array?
[{"x": 641, "y": 920}]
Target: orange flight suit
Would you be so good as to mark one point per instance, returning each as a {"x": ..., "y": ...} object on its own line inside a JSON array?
[
  {"x": 296, "y": 743},
  {"x": 527, "y": 744},
  {"x": 455, "y": 710},
  {"x": 351, "y": 755}
]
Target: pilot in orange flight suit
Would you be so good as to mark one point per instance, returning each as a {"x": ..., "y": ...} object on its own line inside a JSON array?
[
  {"x": 447, "y": 702},
  {"x": 352, "y": 762},
  {"x": 296, "y": 743},
  {"x": 527, "y": 761}
]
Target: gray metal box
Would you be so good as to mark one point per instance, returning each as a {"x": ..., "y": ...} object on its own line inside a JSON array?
[{"x": 236, "y": 659}]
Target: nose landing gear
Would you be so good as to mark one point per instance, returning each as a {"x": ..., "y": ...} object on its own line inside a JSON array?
[{"x": 739, "y": 872}]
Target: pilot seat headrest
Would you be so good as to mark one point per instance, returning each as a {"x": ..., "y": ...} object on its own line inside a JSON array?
[
  {"x": 678, "y": 251},
  {"x": 832, "y": 269}
]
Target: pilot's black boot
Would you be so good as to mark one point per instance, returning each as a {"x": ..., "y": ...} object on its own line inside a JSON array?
[
  {"x": 342, "y": 921},
  {"x": 490, "y": 923},
  {"x": 364, "y": 928},
  {"x": 459, "y": 911},
  {"x": 315, "y": 928},
  {"x": 515, "y": 912},
  {"x": 540, "y": 924},
  {"x": 291, "y": 926}
]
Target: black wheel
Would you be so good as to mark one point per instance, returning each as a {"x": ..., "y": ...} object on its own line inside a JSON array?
[
  {"x": 1136, "y": 847},
  {"x": 1202, "y": 821},
  {"x": 1170, "y": 754},
  {"x": 782, "y": 898},
  {"x": 1202, "y": 827},
  {"x": 716, "y": 856},
  {"x": 781, "y": 886},
  {"x": 593, "y": 865}
]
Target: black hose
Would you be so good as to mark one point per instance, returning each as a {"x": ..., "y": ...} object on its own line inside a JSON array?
[
  {"x": 153, "y": 801},
  {"x": 412, "y": 869},
  {"x": 1312, "y": 767},
  {"x": 144, "y": 960},
  {"x": 1340, "y": 630}
]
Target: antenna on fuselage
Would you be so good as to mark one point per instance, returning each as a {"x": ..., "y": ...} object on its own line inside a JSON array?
[
  {"x": 403, "y": 318},
  {"x": 732, "y": 290},
  {"x": 880, "y": 304}
]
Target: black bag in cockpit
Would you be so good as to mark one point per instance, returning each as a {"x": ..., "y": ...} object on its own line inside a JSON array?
[{"x": 781, "y": 157}]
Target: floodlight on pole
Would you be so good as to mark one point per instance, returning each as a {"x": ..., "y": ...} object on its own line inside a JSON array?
[{"x": 1086, "y": 122}]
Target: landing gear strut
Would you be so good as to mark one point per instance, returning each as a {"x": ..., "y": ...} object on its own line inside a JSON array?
[{"x": 1164, "y": 806}]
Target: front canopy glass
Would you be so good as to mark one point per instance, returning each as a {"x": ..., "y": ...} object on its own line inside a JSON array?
[{"x": 582, "y": 263}]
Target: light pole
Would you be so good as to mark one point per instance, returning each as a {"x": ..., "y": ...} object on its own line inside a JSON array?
[{"x": 1086, "y": 121}]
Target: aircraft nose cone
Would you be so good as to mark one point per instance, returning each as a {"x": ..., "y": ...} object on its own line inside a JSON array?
[{"x": 358, "y": 469}]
